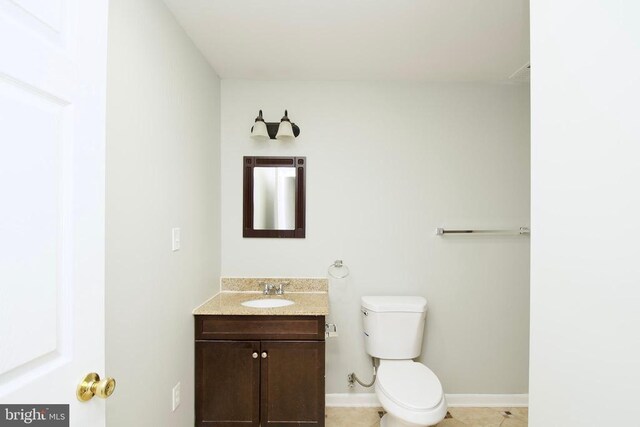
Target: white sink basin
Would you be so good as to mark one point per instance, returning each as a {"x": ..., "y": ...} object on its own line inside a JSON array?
[{"x": 267, "y": 303}]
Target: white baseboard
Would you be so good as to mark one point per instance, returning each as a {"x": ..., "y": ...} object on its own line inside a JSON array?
[
  {"x": 352, "y": 400},
  {"x": 488, "y": 400},
  {"x": 370, "y": 400}
]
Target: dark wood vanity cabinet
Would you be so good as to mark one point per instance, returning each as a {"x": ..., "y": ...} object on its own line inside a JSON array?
[
  {"x": 259, "y": 371},
  {"x": 227, "y": 380},
  {"x": 292, "y": 383}
]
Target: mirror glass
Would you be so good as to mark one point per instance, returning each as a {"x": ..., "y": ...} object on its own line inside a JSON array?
[{"x": 274, "y": 198}]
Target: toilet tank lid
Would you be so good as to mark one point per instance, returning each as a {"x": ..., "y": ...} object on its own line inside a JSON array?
[{"x": 394, "y": 304}]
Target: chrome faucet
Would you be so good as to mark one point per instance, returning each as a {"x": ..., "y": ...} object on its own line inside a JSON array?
[
  {"x": 280, "y": 288},
  {"x": 272, "y": 289},
  {"x": 269, "y": 288}
]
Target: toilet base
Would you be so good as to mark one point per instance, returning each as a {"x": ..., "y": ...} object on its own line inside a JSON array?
[{"x": 389, "y": 420}]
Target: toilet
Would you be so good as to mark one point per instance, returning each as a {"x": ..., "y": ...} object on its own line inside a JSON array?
[{"x": 410, "y": 393}]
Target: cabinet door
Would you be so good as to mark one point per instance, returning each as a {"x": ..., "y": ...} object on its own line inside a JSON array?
[
  {"x": 292, "y": 383},
  {"x": 227, "y": 383}
]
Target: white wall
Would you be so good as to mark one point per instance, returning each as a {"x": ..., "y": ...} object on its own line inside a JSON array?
[
  {"x": 163, "y": 130},
  {"x": 387, "y": 164},
  {"x": 585, "y": 274}
]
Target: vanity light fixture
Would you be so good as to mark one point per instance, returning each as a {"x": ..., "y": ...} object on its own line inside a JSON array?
[
  {"x": 284, "y": 131},
  {"x": 259, "y": 130}
]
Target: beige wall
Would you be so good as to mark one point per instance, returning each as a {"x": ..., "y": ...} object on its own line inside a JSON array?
[
  {"x": 387, "y": 163},
  {"x": 163, "y": 164}
]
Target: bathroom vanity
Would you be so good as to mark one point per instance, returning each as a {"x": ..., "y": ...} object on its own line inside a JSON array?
[{"x": 260, "y": 366}]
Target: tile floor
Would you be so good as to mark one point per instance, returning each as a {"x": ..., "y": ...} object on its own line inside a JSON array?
[{"x": 456, "y": 417}]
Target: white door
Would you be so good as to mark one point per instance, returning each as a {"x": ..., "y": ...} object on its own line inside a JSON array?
[{"x": 52, "y": 137}]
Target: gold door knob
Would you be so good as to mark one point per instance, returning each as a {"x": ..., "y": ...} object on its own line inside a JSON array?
[{"x": 91, "y": 385}]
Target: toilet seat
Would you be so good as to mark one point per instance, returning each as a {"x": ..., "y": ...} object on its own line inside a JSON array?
[
  {"x": 410, "y": 393},
  {"x": 410, "y": 385}
]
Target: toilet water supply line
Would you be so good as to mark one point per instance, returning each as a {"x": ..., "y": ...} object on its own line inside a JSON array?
[{"x": 353, "y": 378}]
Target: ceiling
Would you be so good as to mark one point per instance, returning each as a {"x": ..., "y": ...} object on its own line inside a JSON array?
[{"x": 406, "y": 40}]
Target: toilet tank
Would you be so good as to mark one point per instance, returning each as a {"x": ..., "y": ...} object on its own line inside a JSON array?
[{"x": 393, "y": 326}]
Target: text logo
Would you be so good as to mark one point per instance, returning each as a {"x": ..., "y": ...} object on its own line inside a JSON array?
[{"x": 34, "y": 415}]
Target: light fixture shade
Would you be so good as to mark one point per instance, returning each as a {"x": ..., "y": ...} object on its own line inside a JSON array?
[
  {"x": 259, "y": 129},
  {"x": 285, "y": 130}
]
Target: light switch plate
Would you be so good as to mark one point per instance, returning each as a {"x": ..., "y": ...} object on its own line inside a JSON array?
[
  {"x": 175, "y": 239},
  {"x": 175, "y": 397}
]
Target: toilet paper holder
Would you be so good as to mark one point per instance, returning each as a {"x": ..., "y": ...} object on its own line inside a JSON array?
[{"x": 330, "y": 330}]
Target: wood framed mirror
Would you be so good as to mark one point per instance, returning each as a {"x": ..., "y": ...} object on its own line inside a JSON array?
[{"x": 274, "y": 197}]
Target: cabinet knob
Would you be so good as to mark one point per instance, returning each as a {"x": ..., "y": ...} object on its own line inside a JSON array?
[
  {"x": 264, "y": 354},
  {"x": 255, "y": 354}
]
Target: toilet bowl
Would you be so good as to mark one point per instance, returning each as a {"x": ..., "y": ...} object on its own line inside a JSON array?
[{"x": 409, "y": 391}]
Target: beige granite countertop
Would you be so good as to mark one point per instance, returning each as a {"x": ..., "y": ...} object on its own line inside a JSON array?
[
  {"x": 294, "y": 284},
  {"x": 309, "y": 295},
  {"x": 229, "y": 303}
]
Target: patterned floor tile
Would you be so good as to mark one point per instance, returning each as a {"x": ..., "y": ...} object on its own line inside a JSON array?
[
  {"x": 478, "y": 417},
  {"x": 513, "y": 422},
  {"x": 520, "y": 413},
  {"x": 451, "y": 422},
  {"x": 356, "y": 417},
  {"x": 456, "y": 417}
]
